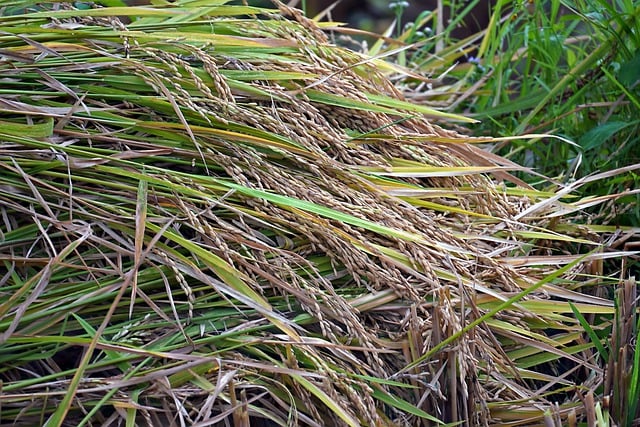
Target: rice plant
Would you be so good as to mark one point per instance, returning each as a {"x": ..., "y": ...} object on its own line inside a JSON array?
[{"x": 210, "y": 215}]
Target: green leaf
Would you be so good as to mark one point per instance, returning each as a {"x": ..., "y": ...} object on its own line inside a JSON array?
[
  {"x": 634, "y": 392},
  {"x": 400, "y": 105},
  {"x": 629, "y": 72},
  {"x": 599, "y": 135},
  {"x": 403, "y": 405},
  {"x": 326, "y": 399},
  {"x": 323, "y": 211},
  {"x": 37, "y": 130},
  {"x": 592, "y": 334}
]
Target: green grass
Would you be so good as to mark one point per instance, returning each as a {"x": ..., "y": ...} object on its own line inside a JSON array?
[{"x": 568, "y": 68}]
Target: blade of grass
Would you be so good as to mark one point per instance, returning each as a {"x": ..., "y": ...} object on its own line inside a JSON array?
[{"x": 592, "y": 334}]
